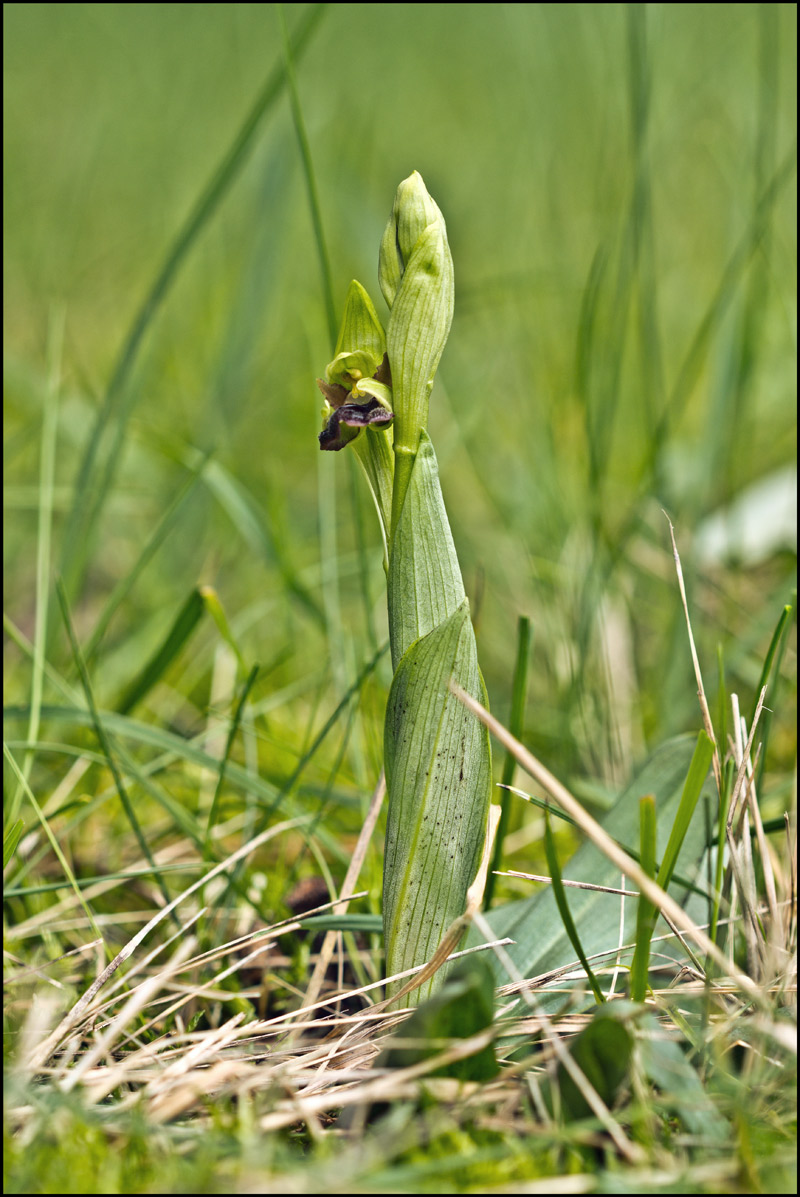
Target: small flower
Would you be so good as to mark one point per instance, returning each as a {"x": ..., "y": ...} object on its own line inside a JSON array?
[{"x": 346, "y": 418}]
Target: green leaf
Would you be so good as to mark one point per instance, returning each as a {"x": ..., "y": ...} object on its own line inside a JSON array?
[
  {"x": 463, "y": 1007},
  {"x": 541, "y": 943},
  {"x": 424, "y": 585},
  {"x": 603, "y": 1052},
  {"x": 698, "y": 772},
  {"x": 648, "y": 915},
  {"x": 665, "y": 1065},
  {"x": 438, "y": 775}
]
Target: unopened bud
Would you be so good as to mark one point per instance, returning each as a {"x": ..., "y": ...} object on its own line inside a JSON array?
[{"x": 413, "y": 210}]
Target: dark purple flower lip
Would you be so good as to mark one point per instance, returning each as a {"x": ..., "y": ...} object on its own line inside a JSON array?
[
  {"x": 355, "y": 416},
  {"x": 347, "y": 415}
]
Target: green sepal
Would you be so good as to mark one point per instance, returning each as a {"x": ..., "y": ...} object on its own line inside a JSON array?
[
  {"x": 362, "y": 341},
  {"x": 376, "y": 390},
  {"x": 438, "y": 775}
]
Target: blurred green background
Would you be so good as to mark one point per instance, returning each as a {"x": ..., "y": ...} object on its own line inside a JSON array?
[{"x": 619, "y": 188}]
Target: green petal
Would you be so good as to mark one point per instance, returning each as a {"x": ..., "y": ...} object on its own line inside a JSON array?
[{"x": 350, "y": 366}]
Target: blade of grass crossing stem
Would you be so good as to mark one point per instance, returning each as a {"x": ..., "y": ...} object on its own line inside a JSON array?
[
  {"x": 327, "y": 498},
  {"x": 183, "y": 625},
  {"x": 363, "y": 561},
  {"x": 518, "y": 696},
  {"x": 646, "y": 911},
  {"x": 118, "y": 401},
  {"x": 103, "y": 738},
  {"x": 560, "y": 895}
]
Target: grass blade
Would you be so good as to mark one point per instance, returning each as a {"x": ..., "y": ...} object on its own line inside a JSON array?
[
  {"x": 645, "y": 914},
  {"x": 560, "y": 895},
  {"x": 515, "y": 726},
  {"x": 183, "y": 625},
  {"x": 54, "y": 844},
  {"x": 47, "y": 460},
  {"x": 234, "y": 727},
  {"x": 308, "y": 171},
  {"x": 90, "y": 492},
  {"x": 103, "y": 738},
  {"x": 153, "y": 544}
]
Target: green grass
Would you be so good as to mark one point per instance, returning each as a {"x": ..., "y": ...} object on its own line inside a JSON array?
[{"x": 619, "y": 186}]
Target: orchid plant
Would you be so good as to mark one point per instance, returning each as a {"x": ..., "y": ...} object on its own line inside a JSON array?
[{"x": 437, "y": 755}]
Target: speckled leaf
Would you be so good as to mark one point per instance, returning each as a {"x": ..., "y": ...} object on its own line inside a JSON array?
[
  {"x": 424, "y": 585},
  {"x": 438, "y": 773}
]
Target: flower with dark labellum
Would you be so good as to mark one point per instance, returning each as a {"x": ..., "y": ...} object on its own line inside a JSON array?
[
  {"x": 347, "y": 417},
  {"x": 347, "y": 421}
]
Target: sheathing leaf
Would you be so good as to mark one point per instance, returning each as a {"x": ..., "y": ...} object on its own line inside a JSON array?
[
  {"x": 438, "y": 774},
  {"x": 424, "y": 585}
]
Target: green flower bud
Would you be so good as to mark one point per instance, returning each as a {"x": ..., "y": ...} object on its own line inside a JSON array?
[
  {"x": 413, "y": 210},
  {"x": 418, "y": 328}
]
